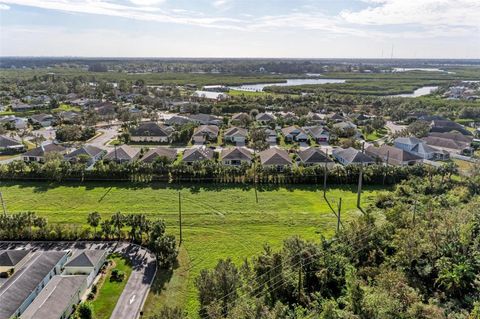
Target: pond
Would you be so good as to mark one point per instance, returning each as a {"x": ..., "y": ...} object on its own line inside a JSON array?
[
  {"x": 425, "y": 90},
  {"x": 290, "y": 82}
]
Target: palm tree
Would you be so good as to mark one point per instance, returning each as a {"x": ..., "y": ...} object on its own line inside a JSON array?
[
  {"x": 106, "y": 226},
  {"x": 118, "y": 221},
  {"x": 93, "y": 220}
]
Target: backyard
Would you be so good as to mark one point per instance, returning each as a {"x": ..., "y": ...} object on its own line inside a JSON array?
[{"x": 219, "y": 221}]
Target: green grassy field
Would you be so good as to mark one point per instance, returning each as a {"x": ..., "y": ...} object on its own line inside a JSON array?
[
  {"x": 110, "y": 291},
  {"x": 218, "y": 220}
]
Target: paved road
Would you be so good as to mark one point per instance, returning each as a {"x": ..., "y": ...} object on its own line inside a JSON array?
[{"x": 136, "y": 290}]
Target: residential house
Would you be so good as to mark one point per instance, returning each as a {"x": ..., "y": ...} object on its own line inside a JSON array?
[
  {"x": 319, "y": 134},
  {"x": 43, "y": 119},
  {"x": 316, "y": 118},
  {"x": 443, "y": 126},
  {"x": 38, "y": 154},
  {"x": 272, "y": 136},
  {"x": 344, "y": 126},
  {"x": 240, "y": 119},
  {"x": 205, "y": 133},
  {"x": 197, "y": 154},
  {"x": 14, "y": 122},
  {"x": 207, "y": 95},
  {"x": 265, "y": 118},
  {"x": 86, "y": 262},
  {"x": 123, "y": 154},
  {"x": 18, "y": 106},
  {"x": 58, "y": 299},
  {"x": 275, "y": 157},
  {"x": 392, "y": 155},
  {"x": 418, "y": 147},
  {"x": 88, "y": 153},
  {"x": 105, "y": 111},
  {"x": 205, "y": 119},
  {"x": 9, "y": 145},
  {"x": 160, "y": 153},
  {"x": 294, "y": 134},
  {"x": 449, "y": 145},
  {"x": 314, "y": 156},
  {"x": 235, "y": 135},
  {"x": 456, "y": 136},
  {"x": 351, "y": 156},
  {"x": 69, "y": 117},
  {"x": 12, "y": 260},
  {"x": 335, "y": 117},
  {"x": 151, "y": 132},
  {"x": 236, "y": 156},
  {"x": 178, "y": 120},
  {"x": 18, "y": 292}
]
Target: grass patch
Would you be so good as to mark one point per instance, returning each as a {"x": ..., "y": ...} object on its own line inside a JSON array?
[
  {"x": 110, "y": 291},
  {"x": 219, "y": 221},
  {"x": 66, "y": 107}
]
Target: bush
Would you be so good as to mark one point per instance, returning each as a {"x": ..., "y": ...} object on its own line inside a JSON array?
[
  {"x": 85, "y": 311},
  {"x": 117, "y": 275}
]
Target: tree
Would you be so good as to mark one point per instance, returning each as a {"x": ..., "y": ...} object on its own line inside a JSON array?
[
  {"x": 118, "y": 221},
  {"x": 258, "y": 139},
  {"x": 85, "y": 310},
  {"x": 94, "y": 220}
]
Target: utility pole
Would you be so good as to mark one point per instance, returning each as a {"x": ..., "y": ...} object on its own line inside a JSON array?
[
  {"x": 338, "y": 215},
  {"x": 3, "y": 204},
  {"x": 255, "y": 178},
  {"x": 180, "y": 215},
  {"x": 386, "y": 168},
  {"x": 359, "y": 190},
  {"x": 325, "y": 169}
]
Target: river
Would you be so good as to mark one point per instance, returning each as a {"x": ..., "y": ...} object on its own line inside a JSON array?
[{"x": 290, "y": 82}]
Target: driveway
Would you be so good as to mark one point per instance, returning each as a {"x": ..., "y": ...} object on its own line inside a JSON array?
[
  {"x": 144, "y": 267},
  {"x": 108, "y": 134},
  {"x": 394, "y": 128}
]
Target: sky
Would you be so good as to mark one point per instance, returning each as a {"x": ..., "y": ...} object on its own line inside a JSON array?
[{"x": 241, "y": 28}]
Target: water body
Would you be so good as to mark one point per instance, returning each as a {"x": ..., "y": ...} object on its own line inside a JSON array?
[
  {"x": 425, "y": 90},
  {"x": 421, "y": 69},
  {"x": 290, "y": 82}
]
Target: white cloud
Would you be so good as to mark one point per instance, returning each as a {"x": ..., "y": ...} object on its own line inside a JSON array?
[
  {"x": 221, "y": 3},
  {"x": 146, "y": 2},
  {"x": 4, "y": 7},
  {"x": 419, "y": 12}
]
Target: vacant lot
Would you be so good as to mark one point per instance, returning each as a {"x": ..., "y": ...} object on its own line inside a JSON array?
[{"x": 218, "y": 220}]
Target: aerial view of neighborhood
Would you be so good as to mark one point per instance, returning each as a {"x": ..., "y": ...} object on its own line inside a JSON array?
[{"x": 266, "y": 179}]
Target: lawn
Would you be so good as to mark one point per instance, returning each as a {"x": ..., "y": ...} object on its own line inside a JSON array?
[
  {"x": 218, "y": 220},
  {"x": 110, "y": 291}
]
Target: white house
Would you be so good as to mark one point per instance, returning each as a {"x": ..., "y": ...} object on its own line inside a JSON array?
[{"x": 86, "y": 262}]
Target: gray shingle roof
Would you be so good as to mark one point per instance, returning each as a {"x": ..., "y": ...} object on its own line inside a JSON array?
[
  {"x": 197, "y": 154},
  {"x": 313, "y": 155},
  {"x": 152, "y": 155},
  {"x": 236, "y": 153},
  {"x": 353, "y": 156},
  {"x": 42, "y": 150},
  {"x": 150, "y": 129},
  {"x": 235, "y": 131},
  {"x": 394, "y": 155},
  {"x": 123, "y": 153},
  {"x": 55, "y": 298},
  {"x": 275, "y": 156},
  {"x": 18, "y": 287},
  {"x": 6, "y": 142},
  {"x": 10, "y": 258},
  {"x": 89, "y": 150},
  {"x": 86, "y": 258}
]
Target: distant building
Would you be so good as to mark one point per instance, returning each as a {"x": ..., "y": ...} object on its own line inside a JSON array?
[
  {"x": 90, "y": 153},
  {"x": 9, "y": 145},
  {"x": 151, "y": 132},
  {"x": 314, "y": 156},
  {"x": 205, "y": 133},
  {"x": 294, "y": 134},
  {"x": 199, "y": 154},
  {"x": 235, "y": 135},
  {"x": 123, "y": 154},
  {"x": 166, "y": 153},
  {"x": 207, "y": 95},
  {"x": 275, "y": 157}
]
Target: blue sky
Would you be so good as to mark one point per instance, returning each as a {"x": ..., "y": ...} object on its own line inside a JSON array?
[{"x": 241, "y": 28}]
